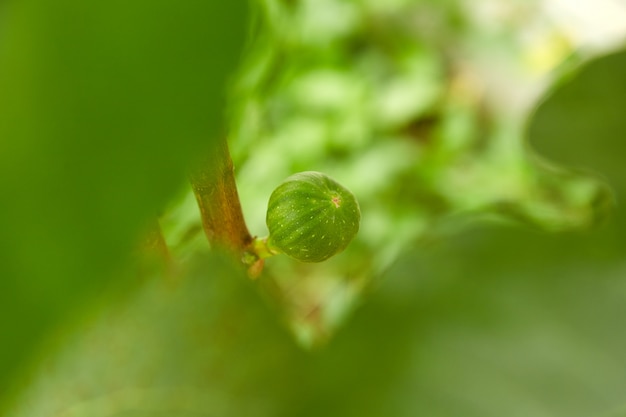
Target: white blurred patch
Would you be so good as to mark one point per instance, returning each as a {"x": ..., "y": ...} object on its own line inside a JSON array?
[{"x": 591, "y": 24}]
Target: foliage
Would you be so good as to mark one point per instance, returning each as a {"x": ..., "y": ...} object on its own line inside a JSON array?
[
  {"x": 404, "y": 105},
  {"x": 476, "y": 285},
  {"x": 102, "y": 105}
]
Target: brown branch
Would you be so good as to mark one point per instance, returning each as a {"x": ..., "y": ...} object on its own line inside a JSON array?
[{"x": 213, "y": 183}]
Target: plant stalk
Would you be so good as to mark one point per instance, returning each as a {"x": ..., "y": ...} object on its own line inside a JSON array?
[{"x": 214, "y": 186}]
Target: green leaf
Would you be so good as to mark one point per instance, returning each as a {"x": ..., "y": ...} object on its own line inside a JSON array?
[
  {"x": 102, "y": 106},
  {"x": 205, "y": 346},
  {"x": 582, "y": 122}
]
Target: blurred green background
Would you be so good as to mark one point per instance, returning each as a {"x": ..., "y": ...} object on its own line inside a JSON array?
[{"x": 482, "y": 139}]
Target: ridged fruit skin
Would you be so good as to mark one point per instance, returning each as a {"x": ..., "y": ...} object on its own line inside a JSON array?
[{"x": 311, "y": 217}]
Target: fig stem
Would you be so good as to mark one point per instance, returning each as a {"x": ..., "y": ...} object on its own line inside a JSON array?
[
  {"x": 263, "y": 248},
  {"x": 256, "y": 253}
]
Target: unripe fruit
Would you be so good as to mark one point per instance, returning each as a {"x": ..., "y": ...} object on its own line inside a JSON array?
[{"x": 311, "y": 217}]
